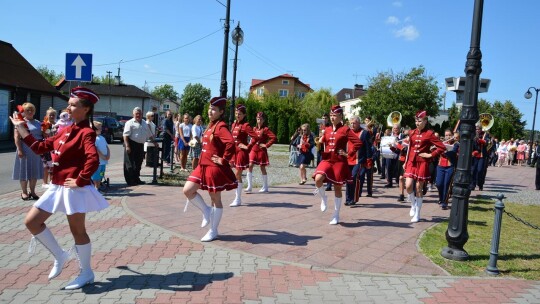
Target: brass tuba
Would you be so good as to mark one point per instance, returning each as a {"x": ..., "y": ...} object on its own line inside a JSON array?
[
  {"x": 486, "y": 121},
  {"x": 393, "y": 118}
]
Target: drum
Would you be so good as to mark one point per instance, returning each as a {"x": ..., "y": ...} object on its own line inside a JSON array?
[
  {"x": 386, "y": 143},
  {"x": 387, "y": 153}
]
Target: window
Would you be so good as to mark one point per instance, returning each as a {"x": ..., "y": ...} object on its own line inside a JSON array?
[
  {"x": 283, "y": 93},
  {"x": 260, "y": 91},
  {"x": 166, "y": 107},
  {"x": 347, "y": 96},
  {"x": 300, "y": 94},
  {"x": 285, "y": 82}
]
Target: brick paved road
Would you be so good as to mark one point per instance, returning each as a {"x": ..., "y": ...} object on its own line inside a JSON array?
[{"x": 278, "y": 248}]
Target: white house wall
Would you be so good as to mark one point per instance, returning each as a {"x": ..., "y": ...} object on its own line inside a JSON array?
[{"x": 123, "y": 105}]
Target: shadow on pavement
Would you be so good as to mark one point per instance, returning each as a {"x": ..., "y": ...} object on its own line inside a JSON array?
[
  {"x": 375, "y": 223},
  {"x": 180, "y": 281},
  {"x": 275, "y": 237},
  {"x": 278, "y": 205}
]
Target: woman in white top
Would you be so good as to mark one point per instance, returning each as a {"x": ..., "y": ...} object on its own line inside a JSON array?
[
  {"x": 151, "y": 125},
  {"x": 502, "y": 152},
  {"x": 184, "y": 130},
  {"x": 196, "y": 133}
]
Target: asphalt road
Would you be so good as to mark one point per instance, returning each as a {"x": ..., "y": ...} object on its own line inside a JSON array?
[{"x": 7, "y": 159}]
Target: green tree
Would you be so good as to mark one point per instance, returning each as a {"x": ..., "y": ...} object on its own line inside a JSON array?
[
  {"x": 165, "y": 91},
  {"x": 51, "y": 75},
  {"x": 314, "y": 105},
  {"x": 403, "y": 92},
  {"x": 194, "y": 99}
]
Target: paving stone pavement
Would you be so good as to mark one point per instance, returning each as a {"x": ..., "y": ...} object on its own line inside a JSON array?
[{"x": 276, "y": 248}]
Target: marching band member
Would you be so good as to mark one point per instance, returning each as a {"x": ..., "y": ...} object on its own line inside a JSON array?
[
  {"x": 403, "y": 148},
  {"x": 71, "y": 191},
  {"x": 360, "y": 164},
  {"x": 417, "y": 162},
  {"x": 259, "y": 153},
  {"x": 392, "y": 163},
  {"x": 213, "y": 173},
  {"x": 334, "y": 167},
  {"x": 479, "y": 158},
  {"x": 446, "y": 167},
  {"x": 240, "y": 132}
]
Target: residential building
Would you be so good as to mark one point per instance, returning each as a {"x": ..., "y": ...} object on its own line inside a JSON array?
[
  {"x": 116, "y": 100},
  {"x": 283, "y": 85},
  {"x": 20, "y": 82},
  {"x": 349, "y": 98}
]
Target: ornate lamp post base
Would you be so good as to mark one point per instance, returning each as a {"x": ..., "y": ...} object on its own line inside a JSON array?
[{"x": 455, "y": 254}]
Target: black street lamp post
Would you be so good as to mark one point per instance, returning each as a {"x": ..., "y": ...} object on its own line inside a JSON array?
[
  {"x": 223, "y": 86},
  {"x": 456, "y": 233},
  {"x": 528, "y": 95},
  {"x": 237, "y": 39}
]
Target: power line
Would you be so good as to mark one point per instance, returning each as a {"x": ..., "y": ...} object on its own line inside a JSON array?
[
  {"x": 263, "y": 58},
  {"x": 221, "y": 3},
  {"x": 179, "y": 81},
  {"x": 164, "y": 52}
]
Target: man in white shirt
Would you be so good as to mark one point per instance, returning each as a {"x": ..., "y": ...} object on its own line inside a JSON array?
[{"x": 136, "y": 133}]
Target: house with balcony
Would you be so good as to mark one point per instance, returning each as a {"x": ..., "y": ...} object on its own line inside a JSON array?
[{"x": 285, "y": 85}]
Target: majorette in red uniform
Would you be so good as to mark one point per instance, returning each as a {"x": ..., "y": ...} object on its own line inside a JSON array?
[
  {"x": 214, "y": 172},
  {"x": 417, "y": 163},
  {"x": 259, "y": 153},
  {"x": 240, "y": 132},
  {"x": 334, "y": 166},
  {"x": 71, "y": 192}
]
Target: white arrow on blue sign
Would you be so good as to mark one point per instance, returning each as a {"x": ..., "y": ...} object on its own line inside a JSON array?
[{"x": 78, "y": 67}]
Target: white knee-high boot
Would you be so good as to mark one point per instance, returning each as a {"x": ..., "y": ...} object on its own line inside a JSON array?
[
  {"x": 416, "y": 216},
  {"x": 46, "y": 238},
  {"x": 84, "y": 253},
  {"x": 249, "y": 181},
  {"x": 412, "y": 198},
  {"x": 264, "y": 184},
  {"x": 212, "y": 234},
  {"x": 324, "y": 198},
  {"x": 198, "y": 202},
  {"x": 337, "y": 206},
  {"x": 237, "y": 200}
]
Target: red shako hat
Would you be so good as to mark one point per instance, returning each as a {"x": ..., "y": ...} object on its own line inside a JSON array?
[{"x": 84, "y": 93}]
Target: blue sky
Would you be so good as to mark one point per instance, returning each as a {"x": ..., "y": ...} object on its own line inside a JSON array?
[{"x": 327, "y": 44}]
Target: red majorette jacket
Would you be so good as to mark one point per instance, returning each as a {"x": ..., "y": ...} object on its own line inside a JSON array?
[
  {"x": 217, "y": 140},
  {"x": 421, "y": 142},
  {"x": 240, "y": 133},
  {"x": 334, "y": 141},
  {"x": 263, "y": 136},
  {"x": 73, "y": 151}
]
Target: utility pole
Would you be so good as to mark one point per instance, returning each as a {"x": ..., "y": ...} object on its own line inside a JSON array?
[
  {"x": 223, "y": 86},
  {"x": 110, "y": 103}
]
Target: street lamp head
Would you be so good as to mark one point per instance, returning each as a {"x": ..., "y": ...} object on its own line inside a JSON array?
[
  {"x": 237, "y": 35},
  {"x": 528, "y": 94}
]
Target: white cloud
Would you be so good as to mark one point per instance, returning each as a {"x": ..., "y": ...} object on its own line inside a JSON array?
[
  {"x": 397, "y": 3},
  {"x": 408, "y": 32},
  {"x": 392, "y": 20}
]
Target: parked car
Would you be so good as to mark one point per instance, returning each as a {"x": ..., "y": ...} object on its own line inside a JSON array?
[{"x": 112, "y": 129}]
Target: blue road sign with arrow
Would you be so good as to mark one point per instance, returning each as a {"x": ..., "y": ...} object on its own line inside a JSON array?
[{"x": 78, "y": 67}]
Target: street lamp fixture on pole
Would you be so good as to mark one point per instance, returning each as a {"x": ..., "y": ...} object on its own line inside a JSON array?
[
  {"x": 528, "y": 95},
  {"x": 237, "y": 38}
]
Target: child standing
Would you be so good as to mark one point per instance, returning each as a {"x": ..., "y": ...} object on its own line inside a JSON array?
[{"x": 104, "y": 154}]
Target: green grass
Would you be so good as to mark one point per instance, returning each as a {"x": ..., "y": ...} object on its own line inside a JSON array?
[{"x": 519, "y": 245}]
